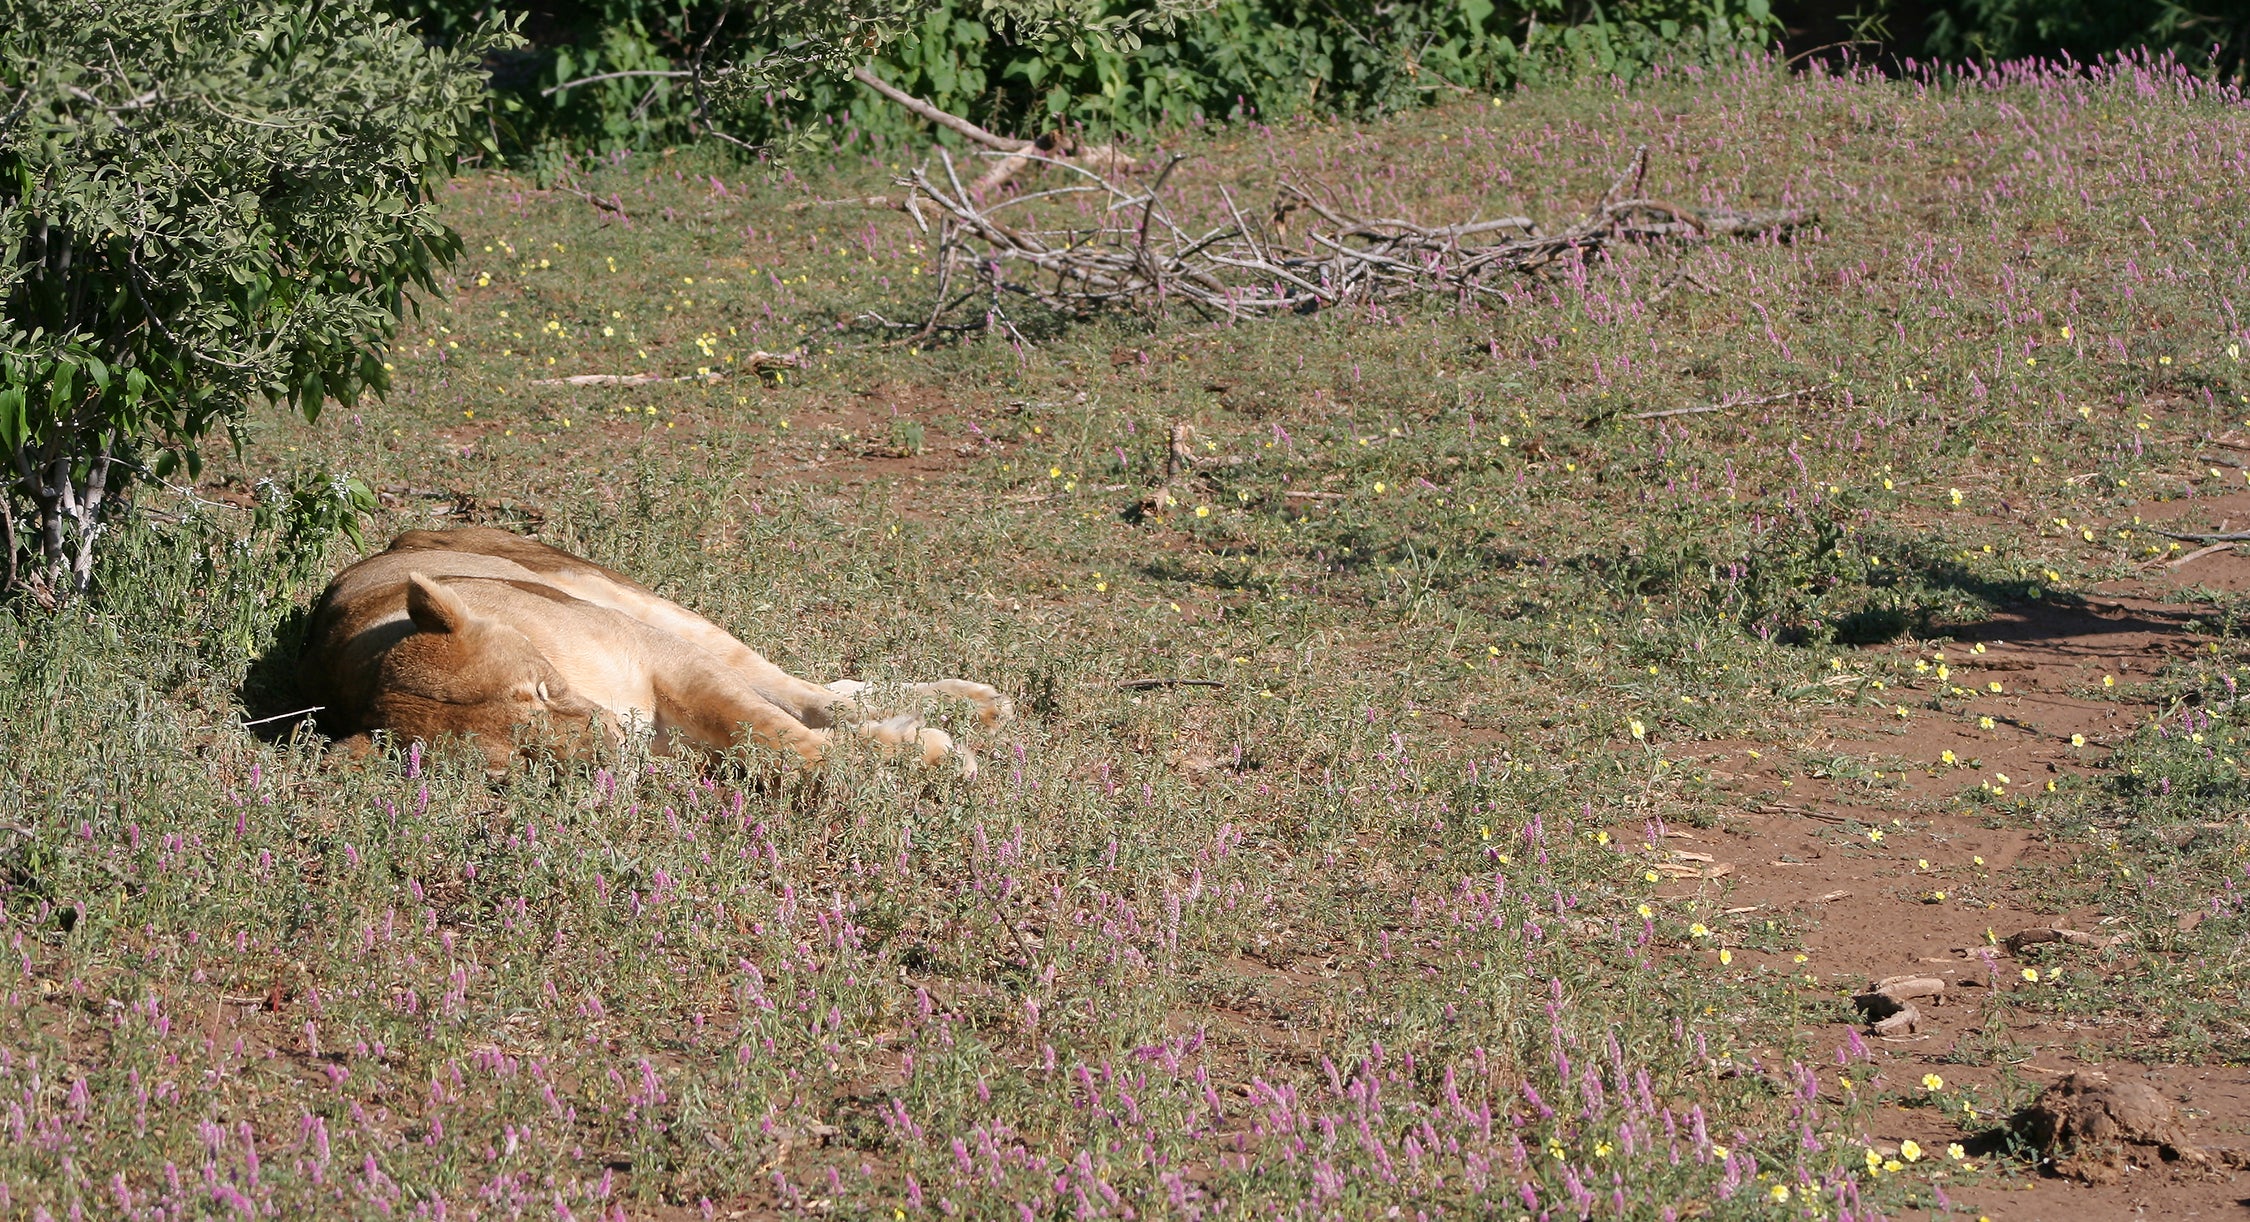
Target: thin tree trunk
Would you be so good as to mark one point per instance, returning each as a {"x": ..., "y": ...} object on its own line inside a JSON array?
[
  {"x": 89, "y": 514},
  {"x": 8, "y": 537}
]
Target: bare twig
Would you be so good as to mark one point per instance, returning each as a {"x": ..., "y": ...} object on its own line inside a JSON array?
[
  {"x": 2232, "y": 536},
  {"x": 944, "y": 119},
  {"x": 1134, "y": 685},
  {"x": 283, "y": 716},
  {"x": 1723, "y": 407},
  {"x": 755, "y": 362},
  {"x": 2198, "y": 554},
  {"x": 600, "y": 204},
  {"x": 611, "y": 76}
]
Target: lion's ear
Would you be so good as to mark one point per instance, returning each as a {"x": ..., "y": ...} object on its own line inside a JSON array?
[{"x": 432, "y": 607}]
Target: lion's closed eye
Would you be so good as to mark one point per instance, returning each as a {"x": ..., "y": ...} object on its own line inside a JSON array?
[{"x": 542, "y": 692}]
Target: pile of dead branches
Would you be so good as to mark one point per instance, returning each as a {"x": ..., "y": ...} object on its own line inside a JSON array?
[{"x": 1308, "y": 254}]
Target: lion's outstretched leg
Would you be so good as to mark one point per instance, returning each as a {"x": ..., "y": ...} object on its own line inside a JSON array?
[{"x": 715, "y": 710}]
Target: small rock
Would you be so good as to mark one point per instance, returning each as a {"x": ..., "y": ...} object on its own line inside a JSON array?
[
  {"x": 1908, "y": 987},
  {"x": 1888, "y": 1015},
  {"x": 1906, "y": 1020}
]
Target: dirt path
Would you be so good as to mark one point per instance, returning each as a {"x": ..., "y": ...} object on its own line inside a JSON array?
[{"x": 1897, "y": 874}]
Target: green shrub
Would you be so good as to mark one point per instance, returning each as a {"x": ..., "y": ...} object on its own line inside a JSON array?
[
  {"x": 1030, "y": 64},
  {"x": 204, "y": 203}
]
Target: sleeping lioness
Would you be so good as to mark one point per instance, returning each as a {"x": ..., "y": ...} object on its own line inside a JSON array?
[{"x": 479, "y": 633}]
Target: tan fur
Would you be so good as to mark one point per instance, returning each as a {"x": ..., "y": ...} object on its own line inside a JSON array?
[{"x": 478, "y": 633}]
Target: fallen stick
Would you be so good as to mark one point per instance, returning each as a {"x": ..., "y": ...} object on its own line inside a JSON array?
[
  {"x": 283, "y": 716},
  {"x": 2198, "y": 554},
  {"x": 1723, "y": 407},
  {"x": 2232, "y": 536},
  {"x": 756, "y": 362},
  {"x": 1134, "y": 685},
  {"x": 600, "y": 204}
]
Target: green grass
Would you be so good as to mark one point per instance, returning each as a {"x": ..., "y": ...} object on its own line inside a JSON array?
[{"x": 1352, "y": 930}]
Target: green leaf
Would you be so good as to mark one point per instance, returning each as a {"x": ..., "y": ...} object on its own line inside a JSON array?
[{"x": 14, "y": 424}]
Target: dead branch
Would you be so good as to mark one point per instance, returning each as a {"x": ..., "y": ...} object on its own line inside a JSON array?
[
  {"x": 2198, "y": 554},
  {"x": 755, "y": 362},
  {"x": 1135, "y": 253},
  {"x": 612, "y": 206},
  {"x": 951, "y": 122},
  {"x": 1723, "y": 407},
  {"x": 2231, "y": 536}
]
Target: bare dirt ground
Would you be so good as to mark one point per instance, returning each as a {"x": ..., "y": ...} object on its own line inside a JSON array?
[{"x": 1876, "y": 909}]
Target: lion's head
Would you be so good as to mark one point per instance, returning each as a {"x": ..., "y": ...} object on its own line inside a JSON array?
[{"x": 463, "y": 674}]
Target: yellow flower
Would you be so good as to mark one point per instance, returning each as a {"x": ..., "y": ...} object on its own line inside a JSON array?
[
  {"x": 2109, "y": 680},
  {"x": 1949, "y": 759},
  {"x": 1909, "y": 1151},
  {"x": 1698, "y": 930},
  {"x": 1780, "y": 1193},
  {"x": 2031, "y": 974},
  {"x": 1955, "y": 1152},
  {"x": 1725, "y": 956},
  {"x": 2077, "y": 740},
  {"x": 1984, "y": 723},
  {"x": 1639, "y": 730},
  {"x": 1993, "y": 686},
  {"x": 1931, "y": 1081},
  {"x": 1874, "y": 835},
  {"x": 1644, "y": 909},
  {"x": 1874, "y": 1160},
  {"x": 1648, "y": 876},
  {"x": 1379, "y": 487},
  {"x": 1955, "y": 493},
  {"x": 1719, "y": 1152},
  {"x": 1893, "y": 1165},
  {"x": 1203, "y": 511}
]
